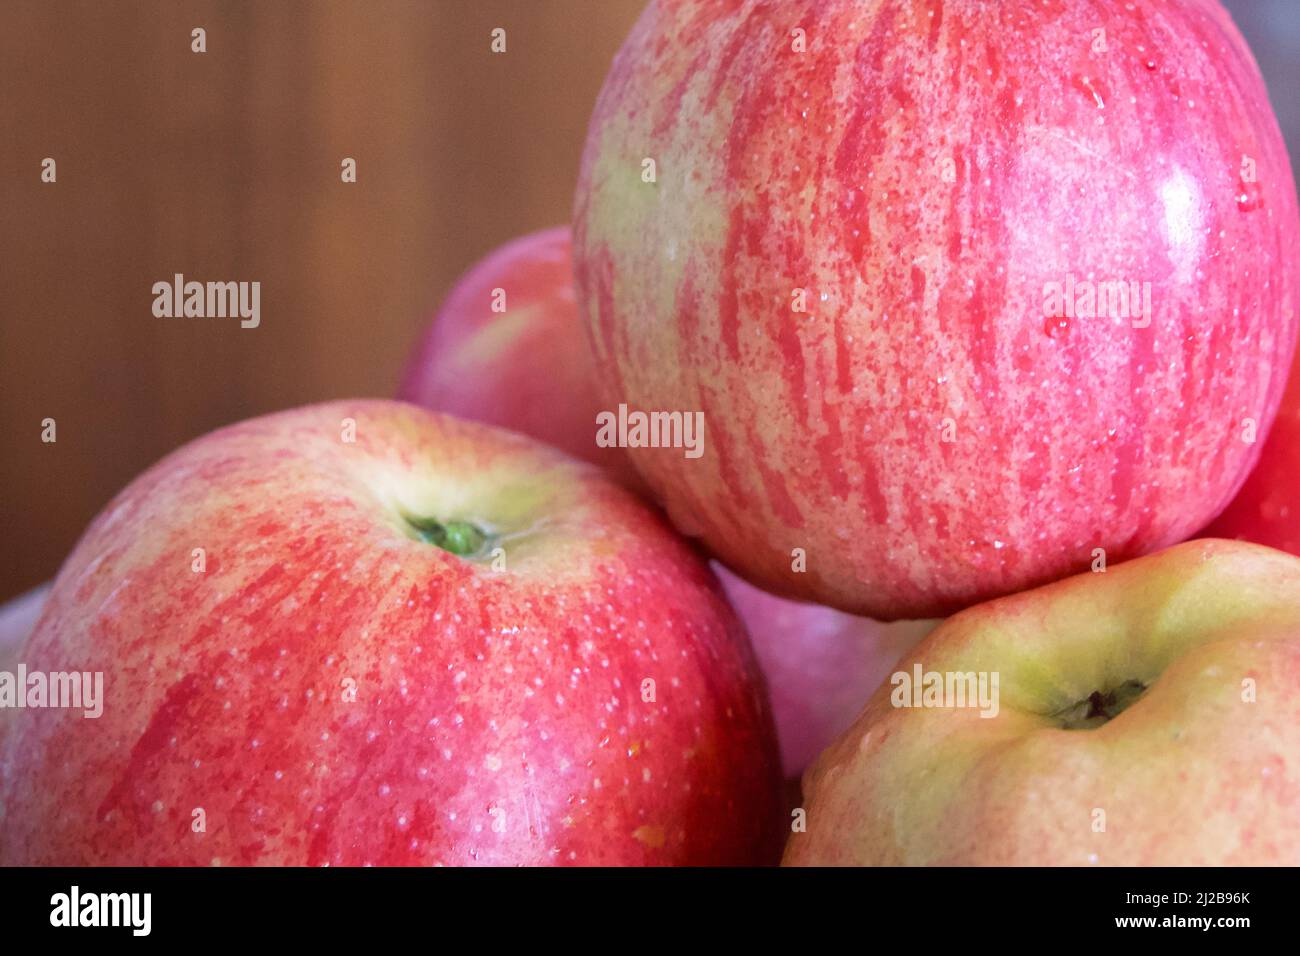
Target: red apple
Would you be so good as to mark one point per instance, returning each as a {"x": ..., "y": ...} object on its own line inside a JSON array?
[
  {"x": 437, "y": 643},
  {"x": 505, "y": 349},
  {"x": 1267, "y": 508},
  {"x": 1149, "y": 715},
  {"x": 860, "y": 238},
  {"x": 821, "y": 664}
]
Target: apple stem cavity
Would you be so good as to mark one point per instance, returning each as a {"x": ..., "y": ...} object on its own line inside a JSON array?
[
  {"x": 1100, "y": 706},
  {"x": 461, "y": 538}
]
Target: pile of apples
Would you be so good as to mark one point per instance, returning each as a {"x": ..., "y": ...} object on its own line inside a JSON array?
[{"x": 455, "y": 629}]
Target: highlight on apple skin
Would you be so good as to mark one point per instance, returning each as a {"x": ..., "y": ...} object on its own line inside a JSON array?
[
  {"x": 957, "y": 313},
  {"x": 360, "y": 632},
  {"x": 821, "y": 664},
  {"x": 1145, "y": 716}
]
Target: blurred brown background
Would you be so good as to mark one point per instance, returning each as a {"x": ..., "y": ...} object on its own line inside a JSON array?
[{"x": 225, "y": 166}]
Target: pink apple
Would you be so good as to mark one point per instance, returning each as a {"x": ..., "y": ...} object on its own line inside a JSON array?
[
  {"x": 1267, "y": 508},
  {"x": 17, "y": 618},
  {"x": 964, "y": 291},
  {"x": 436, "y": 643},
  {"x": 821, "y": 664},
  {"x": 1148, "y": 715},
  {"x": 505, "y": 349}
]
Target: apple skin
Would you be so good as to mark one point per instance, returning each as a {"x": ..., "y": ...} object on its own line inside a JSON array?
[
  {"x": 17, "y": 618},
  {"x": 1267, "y": 508},
  {"x": 1190, "y": 774},
  {"x": 922, "y": 172},
  {"x": 516, "y": 368},
  {"x": 498, "y": 715},
  {"x": 821, "y": 664}
]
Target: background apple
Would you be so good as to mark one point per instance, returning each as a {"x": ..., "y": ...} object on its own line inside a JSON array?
[
  {"x": 833, "y": 227},
  {"x": 429, "y": 645},
  {"x": 821, "y": 664},
  {"x": 17, "y": 618},
  {"x": 1267, "y": 508},
  {"x": 1149, "y": 715},
  {"x": 502, "y": 350}
]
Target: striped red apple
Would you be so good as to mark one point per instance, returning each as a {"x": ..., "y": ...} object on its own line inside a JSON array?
[
  {"x": 362, "y": 633},
  {"x": 968, "y": 293}
]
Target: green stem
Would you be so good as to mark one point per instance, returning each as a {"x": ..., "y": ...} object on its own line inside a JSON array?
[{"x": 462, "y": 538}]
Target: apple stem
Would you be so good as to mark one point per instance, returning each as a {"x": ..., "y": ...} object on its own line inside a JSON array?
[
  {"x": 1099, "y": 707},
  {"x": 461, "y": 538}
]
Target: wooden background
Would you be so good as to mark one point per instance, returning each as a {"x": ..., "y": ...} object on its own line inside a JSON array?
[{"x": 225, "y": 166}]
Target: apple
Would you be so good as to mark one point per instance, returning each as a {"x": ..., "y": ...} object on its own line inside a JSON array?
[
  {"x": 1267, "y": 508},
  {"x": 1148, "y": 715},
  {"x": 964, "y": 292},
  {"x": 364, "y": 633},
  {"x": 821, "y": 664},
  {"x": 17, "y": 618},
  {"x": 505, "y": 349}
]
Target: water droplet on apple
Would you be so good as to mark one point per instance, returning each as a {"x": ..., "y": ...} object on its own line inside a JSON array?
[
  {"x": 1249, "y": 196},
  {"x": 1055, "y": 326}
]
